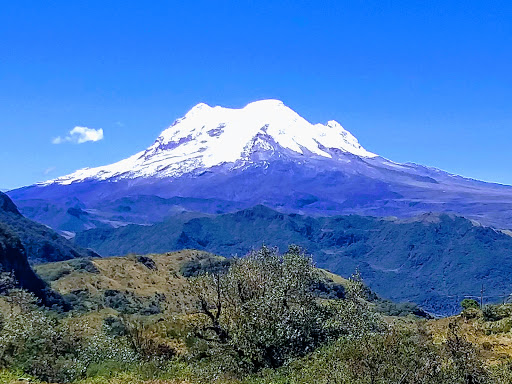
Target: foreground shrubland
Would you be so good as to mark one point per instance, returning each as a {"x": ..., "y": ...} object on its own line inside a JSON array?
[{"x": 264, "y": 318}]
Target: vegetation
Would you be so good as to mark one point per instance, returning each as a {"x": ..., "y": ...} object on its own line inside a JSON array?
[
  {"x": 469, "y": 303},
  {"x": 15, "y": 270},
  {"x": 264, "y": 318},
  {"x": 262, "y": 312},
  {"x": 444, "y": 252}
]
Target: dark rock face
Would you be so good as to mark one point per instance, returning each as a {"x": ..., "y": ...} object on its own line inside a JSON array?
[
  {"x": 6, "y": 205},
  {"x": 13, "y": 259},
  {"x": 41, "y": 243}
]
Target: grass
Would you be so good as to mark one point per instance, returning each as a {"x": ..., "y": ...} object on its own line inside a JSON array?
[
  {"x": 494, "y": 346},
  {"x": 126, "y": 274}
]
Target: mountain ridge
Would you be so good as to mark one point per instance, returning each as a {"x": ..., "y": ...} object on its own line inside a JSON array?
[
  {"x": 432, "y": 260},
  {"x": 39, "y": 242},
  {"x": 264, "y": 153}
]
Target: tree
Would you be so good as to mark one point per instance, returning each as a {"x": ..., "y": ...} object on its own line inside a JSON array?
[
  {"x": 464, "y": 357},
  {"x": 469, "y": 303},
  {"x": 262, "y": 311}
]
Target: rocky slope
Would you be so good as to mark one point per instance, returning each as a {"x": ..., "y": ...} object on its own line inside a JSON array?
[
  {"x": 13, "y": 259},
  {"x": 41, "y": 243}
]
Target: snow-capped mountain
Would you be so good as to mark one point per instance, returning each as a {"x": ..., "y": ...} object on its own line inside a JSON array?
[
  {"x": 210, "y": 136},
  {"x": 218, "y": 160}
]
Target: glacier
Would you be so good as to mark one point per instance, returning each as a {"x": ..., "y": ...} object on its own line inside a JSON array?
[{"x": 210, "y": 136}]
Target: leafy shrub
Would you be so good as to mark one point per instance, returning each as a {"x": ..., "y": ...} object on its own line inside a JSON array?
[
  {"x": 83, "y": 265},
  {"x": 469, "y": 303},
  {"x": 497, "y": 312},
  {"x": 471, "y": 313},
  {"x": 82, "y": 301},
  {"x": 262, "y": 312},
  {"x": 390, "y": 308},
  {"x": 463, "y": 358},
  {"x": 35, "y": 343},
  {"x": 328, "y": 289},
  {"x": 114, "y": 326},
  {"x": 205, "y": 265},
  {"x": 128, "y": 303},
  {"x": 499, "y": 326},
  {"x": 146, "y": 344},
  {"x": 38, "y": 343}
]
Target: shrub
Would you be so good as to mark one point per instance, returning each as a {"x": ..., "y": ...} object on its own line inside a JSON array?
[
  {"x": 497, "y": 312},
  {"x": 204, "y": 264},
  {"x": 469, "y": 303},
  {"x": 146, "y": 344},
  {"x": 390, "y": 308},
  {"x": 471, "y": 313},
  {"x": 36, "y": 342},
  {"x": 499, "y": 326},
  {"x": 128, "y": 303},
  {"x": 262, "y": 312},
  {"x": 148, "y": 262},
  {"x": 463, "y": 358}
]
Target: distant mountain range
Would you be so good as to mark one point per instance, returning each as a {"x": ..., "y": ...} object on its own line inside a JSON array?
[
  {"x": 432, "y": 260},
  {"x": 218, "y": 160}
]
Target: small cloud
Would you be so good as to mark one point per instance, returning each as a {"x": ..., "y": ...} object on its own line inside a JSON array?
[
  {"x": 79, "y": 135},
  {"x": 49, "y": 170},
  {"x": 119, "y": 124}
]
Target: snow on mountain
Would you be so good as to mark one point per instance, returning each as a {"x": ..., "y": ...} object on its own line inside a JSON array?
[{"x": 210, "y": 136}]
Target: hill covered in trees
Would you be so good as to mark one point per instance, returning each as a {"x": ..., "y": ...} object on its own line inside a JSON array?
[{"x": 432, "y": 260}]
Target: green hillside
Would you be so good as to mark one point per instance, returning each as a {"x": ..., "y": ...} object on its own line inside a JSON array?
[
  {"x": 432, "y": 260},
  {"x": 153, "y": 319}
]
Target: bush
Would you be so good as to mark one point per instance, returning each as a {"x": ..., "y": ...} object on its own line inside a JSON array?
[
  {"x": 394, "y": 356},
  {"x": 497, "y": 312},
  {"x": 469, "y": 303},
  {"x": 205, "y": 264},
  {"x": 390, "y": 308},
  {"x": 36, "y": 342},
  {"x": 148, "y": 262},
  {"x": 128, "y": 303},
  {"x": 499, "y": 326},
  {"x": 146, "y": 344},
  {"x": 471, "y": 313},
  {"x": 262, "y": 312}
]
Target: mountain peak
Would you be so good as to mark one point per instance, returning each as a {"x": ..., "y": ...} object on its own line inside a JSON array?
[
  {"x": 266, "y": 103},
  {"x": 209, "y": 136},
  {"x": 198, "y": 109}
]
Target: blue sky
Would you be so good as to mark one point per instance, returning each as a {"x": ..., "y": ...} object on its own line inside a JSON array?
[{"x": 427, "y": 82}]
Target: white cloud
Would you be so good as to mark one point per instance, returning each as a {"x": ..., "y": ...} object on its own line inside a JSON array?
[
  {"x": 79, "y": 135},
  {"x": 49, "y": 170}
]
